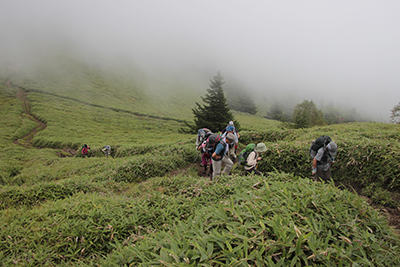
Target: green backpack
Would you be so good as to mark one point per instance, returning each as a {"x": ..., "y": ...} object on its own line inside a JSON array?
[{"x": 245, "y": 153}]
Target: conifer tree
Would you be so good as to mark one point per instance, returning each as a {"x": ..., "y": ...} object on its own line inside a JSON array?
[{"x": 214, "y": 114}]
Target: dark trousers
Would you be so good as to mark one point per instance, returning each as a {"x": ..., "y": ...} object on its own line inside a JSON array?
[
  {"x": 323, "y": 175},
  {"x": 253, "y": 170}
]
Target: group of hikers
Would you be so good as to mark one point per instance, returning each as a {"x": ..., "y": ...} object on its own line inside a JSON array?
[
  {"x": 218, "y": 149},
  {"x": 85, "y": 150}
]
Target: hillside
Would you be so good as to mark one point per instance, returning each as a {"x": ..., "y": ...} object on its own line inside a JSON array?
[{"x": 60, "y": 209}]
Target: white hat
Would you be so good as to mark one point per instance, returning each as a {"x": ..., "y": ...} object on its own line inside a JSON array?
[{"x": 260, "y": 148}]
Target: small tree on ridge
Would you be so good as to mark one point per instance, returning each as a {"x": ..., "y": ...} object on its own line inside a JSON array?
[
  {"x": 395, "y": 116},
  {"x": 215, "y": 113},
  {"x": 306, "y": 114}
]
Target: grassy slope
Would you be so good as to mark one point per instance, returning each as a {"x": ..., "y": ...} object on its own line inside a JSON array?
[
  {"x": 122, "y": 88},
  {"x": 144, "y": 147}
]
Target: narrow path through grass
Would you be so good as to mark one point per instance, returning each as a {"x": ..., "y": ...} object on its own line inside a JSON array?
[{"x": 21, "y": 95}]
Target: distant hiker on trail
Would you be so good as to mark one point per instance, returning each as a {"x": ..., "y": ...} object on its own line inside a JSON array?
[
  {"x": 324, "y": 155},
  {"x": 85, "y": 151},
  {"x": 233, "y": 145},
  {"x": 253, "y": 158},
  {"x": 106, "y": 150},
  {"x": 218, "y": 157}
]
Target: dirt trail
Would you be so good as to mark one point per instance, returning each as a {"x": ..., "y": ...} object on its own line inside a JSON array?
[{"x": 21, "y": 95}]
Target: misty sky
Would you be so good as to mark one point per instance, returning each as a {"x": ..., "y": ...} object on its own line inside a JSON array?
[{"x": 347, "y": 52}]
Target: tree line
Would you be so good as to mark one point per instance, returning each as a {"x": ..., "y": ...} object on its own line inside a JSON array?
[{"x": 215, "y": 111}]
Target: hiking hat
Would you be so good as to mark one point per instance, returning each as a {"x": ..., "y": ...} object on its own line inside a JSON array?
[
  {"x": 332, "y": 147},
  {"x": 230, "y": 128},
  {"x": 231, "y": 123},
  {"x": 230, "y": 137},
  {"x": 260, "y": 148}
]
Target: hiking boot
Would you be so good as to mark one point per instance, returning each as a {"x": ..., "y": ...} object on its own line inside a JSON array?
[{"x": 205, "y": 170}]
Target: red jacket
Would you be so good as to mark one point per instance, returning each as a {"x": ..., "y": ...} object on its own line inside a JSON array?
[{"x": 85, "y": 150}]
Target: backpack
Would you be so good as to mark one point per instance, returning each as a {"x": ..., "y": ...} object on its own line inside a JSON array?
[
  {"x": 321, "y": 141},
  {"x": 245, "y": 153},
  {"x": 203, "y": 134},
  {"x": 212, "y": 142}
]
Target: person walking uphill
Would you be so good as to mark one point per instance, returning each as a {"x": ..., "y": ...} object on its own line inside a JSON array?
[
  {"x": 253, "y": 158},
  {"x": 322, "y": 162},
  {"x": 233, "y": 145},
  {"x": 218, "y": 157},
  {"x": 205, "y": 157}
]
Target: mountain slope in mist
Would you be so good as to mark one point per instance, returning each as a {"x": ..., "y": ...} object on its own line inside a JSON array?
[{"x": 122, "y": 87}]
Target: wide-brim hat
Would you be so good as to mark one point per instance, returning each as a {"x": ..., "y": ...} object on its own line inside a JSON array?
[
  {"x": 332, "y": 148},
  {"x": 230, "y": 136},
  {"x": 260, "y": 148}
]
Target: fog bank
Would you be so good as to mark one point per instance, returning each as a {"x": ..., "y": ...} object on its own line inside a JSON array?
[{"x": 345, "y": 52}]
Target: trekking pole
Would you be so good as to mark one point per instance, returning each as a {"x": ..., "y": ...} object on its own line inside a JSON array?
[{"x": 196, "y": 158}]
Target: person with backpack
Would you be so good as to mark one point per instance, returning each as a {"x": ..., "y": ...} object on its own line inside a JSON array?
[
  {"x": 206, "y": 158},
  {"x": 253, "y": 157},
  {"x": 322, "y": 161},
  {"x": 106, "y": 150},
  {"x": 218, "y": 156},
  {"x": 201, "y": 140},
  {"x": 202, "y": 136},
  {"x": 230, "y": 124},
  {"x": 85, "y": 150},
  {"x": 232, "y": 146}
]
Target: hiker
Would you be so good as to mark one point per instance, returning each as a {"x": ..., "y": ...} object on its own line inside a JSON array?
[
  {"x": 205, "y": 158},
  {"x": 106, "y": 150},
  {"x": 322, "y": 162},
  {"x": 85, "y": 151},
  {"x": 202, "y": 136},
  {"x": 233, "y": 145},
  {"x": 218, "y": 157},
  {"x": 253, "y": 158},
  {"x": 230, "y": 124}
]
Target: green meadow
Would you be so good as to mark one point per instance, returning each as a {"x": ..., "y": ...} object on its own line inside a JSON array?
[{"x": 147, "y": 205}]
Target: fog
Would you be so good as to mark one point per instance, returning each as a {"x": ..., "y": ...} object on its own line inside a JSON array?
[{"x": 341, "y": 52}]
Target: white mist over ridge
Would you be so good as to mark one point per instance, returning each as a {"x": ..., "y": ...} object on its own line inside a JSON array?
[{"x": 327, "y": 51}]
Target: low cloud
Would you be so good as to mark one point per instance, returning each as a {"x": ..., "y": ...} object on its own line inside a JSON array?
[{"x": 328, "y": 51}]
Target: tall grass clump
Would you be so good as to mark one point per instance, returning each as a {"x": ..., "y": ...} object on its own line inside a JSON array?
[
  {"x": 155, "y": 164},
  {"x": 365, "y": 158},
  {"x": 280, "y": 220}
]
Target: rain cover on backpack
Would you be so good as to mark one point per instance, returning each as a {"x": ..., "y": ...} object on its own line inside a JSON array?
[
  {"x": 245, "y": 153},
  {"x": 321, "y": 141}
]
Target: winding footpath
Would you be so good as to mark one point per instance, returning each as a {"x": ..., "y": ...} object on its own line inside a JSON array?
[{"x": 26, "y": 139}]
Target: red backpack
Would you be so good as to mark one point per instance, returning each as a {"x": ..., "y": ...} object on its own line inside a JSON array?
[{"x": 212, "y": 142}]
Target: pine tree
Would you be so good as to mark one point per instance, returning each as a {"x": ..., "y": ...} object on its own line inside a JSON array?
[{"x": 215, "y": 113}]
